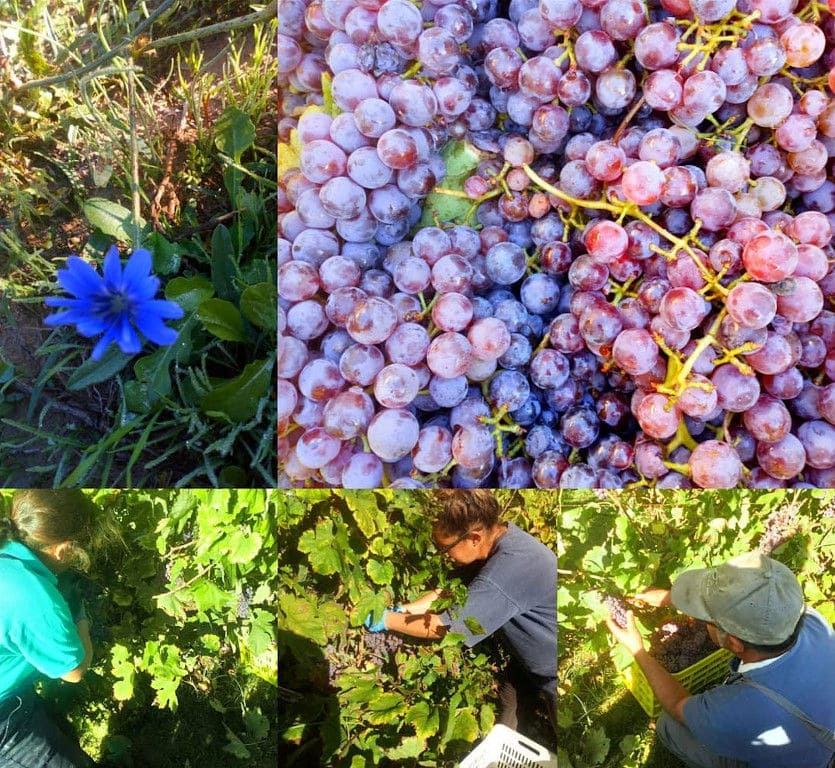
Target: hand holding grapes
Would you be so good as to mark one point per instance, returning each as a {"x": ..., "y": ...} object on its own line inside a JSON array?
[{"x": 627, "y": 635}]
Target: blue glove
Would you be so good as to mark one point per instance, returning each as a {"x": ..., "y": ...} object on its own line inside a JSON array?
[{"x": 380, "y": 626}]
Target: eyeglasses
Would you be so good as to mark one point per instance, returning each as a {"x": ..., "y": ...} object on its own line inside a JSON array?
[{"x": 443, "y": 550}]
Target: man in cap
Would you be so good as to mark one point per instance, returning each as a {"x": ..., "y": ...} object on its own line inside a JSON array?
[{"x": 777, "y": 708}]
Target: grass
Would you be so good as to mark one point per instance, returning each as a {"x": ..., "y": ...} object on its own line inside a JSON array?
[
  {"x": 124, "y": 105},
  {"x": 597, "y": 705}
]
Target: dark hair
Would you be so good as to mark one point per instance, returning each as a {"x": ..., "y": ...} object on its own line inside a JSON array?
[
  {"x": 43, "y": 517},
  {"x": 462, "y": 511},
  {"x": 779, "y": 647}
]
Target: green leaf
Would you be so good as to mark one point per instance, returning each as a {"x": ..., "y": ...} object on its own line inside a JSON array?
[
  {"x": 209, "y": 597},
  {"x": 318, "y": 544},
  {"x": 123, "y": 690},
  {"x": 410, "y": 747},
  {"x": 234, "y": 132},
  {"x": 460, "y": 158},
  {"x": 424, "y": 717},
  {"x": 380, "y": 572},
  {"x": 165, "y": 254},
  {"x": 473, "y": 624},
  {"x": 465, "y": 727},
  {"x": 96, "y": 371},
  {"x": 258, "y": 305},
  {"x": 597, "y": 746},
  {"x": 385, "y": 708},
  {"x": 224, "y": 267},
  {"x": 237, "y": 399},
  {"x": 244, "y": 546},
  {"x": 222, "y": 319},
  {"x": 301, "y": 618},
  {"x": 367, "y": 514},
  {"x": 234, "y": 746},
  {"x": 189, "y": 292},
  {"x": 112, "y": 219},
  {"x": 257, "y": 724}
]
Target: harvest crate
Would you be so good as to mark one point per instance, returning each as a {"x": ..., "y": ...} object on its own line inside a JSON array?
[
  {"x": 505, "y": 748},
  {"x": 695, "y": 678}
]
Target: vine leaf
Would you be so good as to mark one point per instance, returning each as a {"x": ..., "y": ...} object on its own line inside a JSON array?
[
  {"x": 597, "y": 746},
  {"x": 318, "y": 543},
  {"x": 424, "y": 717},
  {"x": 380, "y": 571}
]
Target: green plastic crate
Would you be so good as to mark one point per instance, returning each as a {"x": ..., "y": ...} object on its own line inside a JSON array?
[{"x": 695, "y": 678}]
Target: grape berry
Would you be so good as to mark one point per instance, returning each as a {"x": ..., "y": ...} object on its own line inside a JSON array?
[{"x": 638, "y": 285}]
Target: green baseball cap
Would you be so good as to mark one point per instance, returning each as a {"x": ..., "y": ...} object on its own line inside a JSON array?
[{"x": 753, "y": 597}]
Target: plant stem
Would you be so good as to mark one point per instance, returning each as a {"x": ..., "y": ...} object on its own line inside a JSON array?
[{"x": 105, "y": 57}]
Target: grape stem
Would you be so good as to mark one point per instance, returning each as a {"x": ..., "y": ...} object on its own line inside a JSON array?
[{"x": 635, "y": 212}]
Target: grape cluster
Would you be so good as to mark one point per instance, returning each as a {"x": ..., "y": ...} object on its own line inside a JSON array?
[
  {"x": 244, "y": 597},
  {"x": 337, "y": 661},
  {"x": 617, "y": 609},
  {"x": 638, "y": 288},
  {"x": 352, "y": 651},
  {"x": 780, "y": 526},
  {"x": 381, "y": 645},
  {"x": 679, "y": 644}
]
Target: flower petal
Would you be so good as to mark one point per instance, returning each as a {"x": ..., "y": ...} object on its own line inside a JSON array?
[
  {"x": 79, "y": 278},
  {"x": 155, "y": 330},
  {"x": 87, "y": 325},
  {"x": 60, "y": 301},
  {"x": 112, "y": 269},
  {"x": 127, "y": 338},
  {"x": 101, "y": 346},
  {"x": 161, "y": 308},
  {"x": 138, "y": 268}
]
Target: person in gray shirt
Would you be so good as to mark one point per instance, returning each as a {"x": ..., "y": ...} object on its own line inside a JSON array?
[{"x": 513, "y": 593}]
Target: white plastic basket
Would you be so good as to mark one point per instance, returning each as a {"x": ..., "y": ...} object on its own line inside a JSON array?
[{"x": 505, "y": 748}]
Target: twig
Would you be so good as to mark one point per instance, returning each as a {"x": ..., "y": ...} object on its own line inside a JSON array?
[
  {"x": 223, "y": 26},
  {"x": 134, "y": 161},
  {"x": 200, "y": 574},
  {"x": 105, "y": 57}
]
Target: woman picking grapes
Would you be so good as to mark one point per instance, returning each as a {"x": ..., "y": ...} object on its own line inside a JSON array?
[
  {"x": 513, "y": 592},
  {"x": 40, "y": 636},
  {"x": 776, "y": 709}
]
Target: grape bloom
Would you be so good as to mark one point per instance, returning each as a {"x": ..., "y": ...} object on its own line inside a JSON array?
[{"x": 119, "y": 303}]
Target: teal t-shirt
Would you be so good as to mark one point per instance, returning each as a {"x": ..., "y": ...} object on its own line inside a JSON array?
[{"x": 37, "y": 635}]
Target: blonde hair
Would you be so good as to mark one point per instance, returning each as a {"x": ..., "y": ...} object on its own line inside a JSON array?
[{"x": 40, "y": 518}]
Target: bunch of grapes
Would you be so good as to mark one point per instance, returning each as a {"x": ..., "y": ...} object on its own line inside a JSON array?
[
  {"x": 680, "y": 643},
  {"x": 780, "y": 526},
  {"x": 617, "y": 609},
  {"x": 380, "y": 646},
  {"x": 244, "y": 597},
  {"x": 640, "y": 288},
  {"x": 338, "y": 659},
  {"x": 355, "y": 649}
]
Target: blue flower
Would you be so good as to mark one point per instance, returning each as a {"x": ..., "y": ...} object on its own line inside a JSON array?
[{"x": 118, "y": 303}]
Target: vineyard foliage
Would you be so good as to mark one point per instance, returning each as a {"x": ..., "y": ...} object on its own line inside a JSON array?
[
  {"x": 183, "y": 626},
  {"x": 343, "y": 554},
  {"x": 623, "y": 543}
]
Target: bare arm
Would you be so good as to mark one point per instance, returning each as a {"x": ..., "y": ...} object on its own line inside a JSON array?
[
  {"x": 427, "y": 626},
  {"x": 83, "y": 628}
]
